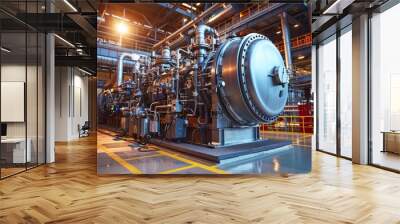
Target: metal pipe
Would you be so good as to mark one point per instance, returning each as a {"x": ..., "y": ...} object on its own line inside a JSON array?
[
  {"x": 178, "y": 58},
  {"x": 189, "y": 24},
  {"x": 168, "y": 106},
  {"x": 195, "y": 83},
  {"x": 201, "y": 31},
  {"x": 120, "y": 76},
  {"x": 214, "y": 19},
  {"x": 286, "y": 41},
  {"x": 177, "y": 77}
]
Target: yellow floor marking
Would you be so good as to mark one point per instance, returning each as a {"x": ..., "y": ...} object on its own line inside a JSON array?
[
  {"x": 121, "y": 161},
  {"x": 196, "y": 164},
  {"x": 177, "y": 169},
  {"x": 142, "y": 157}
]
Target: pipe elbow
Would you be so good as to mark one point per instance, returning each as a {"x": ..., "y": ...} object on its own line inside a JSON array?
[
  {"x": 202, "y": 30},
  {"x": 120, "y": 77}
]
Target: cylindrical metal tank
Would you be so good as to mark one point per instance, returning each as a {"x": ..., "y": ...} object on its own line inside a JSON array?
[{"x": 252, "y": 80}]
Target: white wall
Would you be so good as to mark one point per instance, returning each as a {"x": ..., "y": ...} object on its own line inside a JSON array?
[
  {"x": 61, "y": 103},
  {"x": 10, "y": 73},
  {"x": 71, "y": 102},
  {"x": 13, "y": 73}
]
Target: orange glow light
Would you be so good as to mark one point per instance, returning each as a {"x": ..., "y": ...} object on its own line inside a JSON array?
[{"x": 122, "y": 28}]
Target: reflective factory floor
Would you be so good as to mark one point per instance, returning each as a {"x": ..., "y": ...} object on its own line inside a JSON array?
[{"x": 116, "y": 156}]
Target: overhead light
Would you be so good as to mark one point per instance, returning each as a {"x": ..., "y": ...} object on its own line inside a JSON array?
[
  {"x": 5, "y": 50},
  {"x": 70, "y": 5},
  {"x": 301, "y": 57},
  {"x": 65, "y": 41},
  {"x": 198, "y": 4},
  {"x": 122, "y": 28},
  {"x": 278, "y": 32},
  {"x": 86, "y": 72},
  {"x": 189, "y": 6},
  {"x": 184, "y": 20},
  {"x": 296, "y": 25}
]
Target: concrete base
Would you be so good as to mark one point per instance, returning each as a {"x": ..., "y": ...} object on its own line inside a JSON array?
[{"x": 222, "y": 153}]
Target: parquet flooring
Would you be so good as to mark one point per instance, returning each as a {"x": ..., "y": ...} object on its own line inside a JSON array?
[{"x": 69, "y": 191}]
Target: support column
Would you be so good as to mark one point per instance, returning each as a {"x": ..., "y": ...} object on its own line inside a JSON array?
[
  {"x": 314, "y": 93},
  {"x": 92, "y": 101},
  {"x": 360, "y": 89},
  {"x": 50, "y": 92},
  {"x": 50, "y": 98},
  {"x": 63, "y": 102}
]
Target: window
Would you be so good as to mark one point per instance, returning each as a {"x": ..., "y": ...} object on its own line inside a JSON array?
[
  {"x": 326, "y": 100},
  {"x": 385, "y": 89},
  {"x": 22, "y": 78},
  {"x": 346, "y": 94}
]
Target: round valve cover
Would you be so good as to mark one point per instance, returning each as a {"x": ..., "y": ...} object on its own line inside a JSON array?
[{"x": 252, "y": 79}]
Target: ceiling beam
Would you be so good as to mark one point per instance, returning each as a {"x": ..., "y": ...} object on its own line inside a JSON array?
[
  {"x": 83, "y": 61},
  {"x": 86, "y": 27},
  {"x": 177, "y": 10}
]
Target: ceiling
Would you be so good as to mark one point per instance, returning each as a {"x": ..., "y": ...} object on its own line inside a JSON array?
[
  {"x": 149, "y": 23},
  {"x": 73, "y": 21}
]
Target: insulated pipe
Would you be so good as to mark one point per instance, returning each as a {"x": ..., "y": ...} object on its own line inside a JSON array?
[
  {"x": 286, "y": 41},
  {"x": 201, "y": 32},
  {"x": 214, "y": 19},
  {"x": 189, "y": 24},
  {"x": 196, "y": 92},
  {"x": 178, "y": 58},
  {"x": 120, "y": 76}
]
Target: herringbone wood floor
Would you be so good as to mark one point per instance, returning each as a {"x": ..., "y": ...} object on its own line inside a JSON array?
[{"x": 69, "y": 191}]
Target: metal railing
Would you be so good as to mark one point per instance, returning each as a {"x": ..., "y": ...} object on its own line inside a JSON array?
[
  {"x": 242, "y": 15},
  {"x": 298, "y": 42}
]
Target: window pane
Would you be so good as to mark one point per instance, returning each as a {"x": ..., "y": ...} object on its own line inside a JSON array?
[
  {"x": 346, "y": 94},
  {"x": 385, "y": 83},
  {"x": 13, "y": 86},
  {"x": 327, "y": 96},
  {"x": 31, "y": 96}
]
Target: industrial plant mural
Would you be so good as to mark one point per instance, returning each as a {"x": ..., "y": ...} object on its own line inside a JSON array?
[{"x": 204, "y": 89}]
